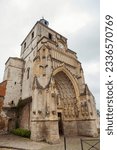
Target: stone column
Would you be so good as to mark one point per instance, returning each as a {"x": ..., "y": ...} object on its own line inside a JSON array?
[
  {"x": 51, "y": 122},
  {"x": 37, "y": 114},
  {"x": 44, "y": 123},
  {"x": 52, "y": 131}
]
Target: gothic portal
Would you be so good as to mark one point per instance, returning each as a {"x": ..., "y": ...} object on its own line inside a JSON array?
[{"x": 46, "y": 91}]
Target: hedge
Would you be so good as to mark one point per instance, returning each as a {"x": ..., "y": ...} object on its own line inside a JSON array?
[{"x": 21, "y": 132}]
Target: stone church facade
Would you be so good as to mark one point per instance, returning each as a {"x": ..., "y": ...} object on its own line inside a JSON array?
[{"x": 46, "y": 91}]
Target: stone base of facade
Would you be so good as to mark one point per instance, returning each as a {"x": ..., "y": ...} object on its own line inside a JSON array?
[
  {"x": 37, "y": 131},
  {"x": 52, "y": 132},
  {"x": 45, "y": 131},
  {"x": 87, "y": 128},
  {"x": 70, "y": 128}
]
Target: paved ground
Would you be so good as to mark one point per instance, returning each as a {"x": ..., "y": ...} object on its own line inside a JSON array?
[{"x": 12, "y": 142}]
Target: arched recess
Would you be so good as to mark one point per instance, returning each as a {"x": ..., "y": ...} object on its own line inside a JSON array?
[
  {"x": 70, "y": 76},
  {"x": 68, "y": 98}
]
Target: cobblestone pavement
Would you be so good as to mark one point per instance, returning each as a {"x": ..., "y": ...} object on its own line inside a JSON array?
[{"x": 12, "y": 142}]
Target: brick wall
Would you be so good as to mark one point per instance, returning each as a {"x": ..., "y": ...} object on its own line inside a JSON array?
[
  {"x": 3, "y": 88},
  {"x": 2, "y": 94}
]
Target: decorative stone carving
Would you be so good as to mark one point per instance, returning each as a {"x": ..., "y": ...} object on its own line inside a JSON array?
[
  {"x": 84, "y": 108},
  {"x": 39, "y": 111},
  {"x": 43, "y": 66},
  {"x": 34, "y": 112},
  {"x": 66, "y": 111},
  {"x": 54, "y": 112},
  {"x": 72, "y": 110},
  {"x": 91, "y": 109},
  {"x": 44, "y": 69},
  {"x": 76, "y": 109},
  {"x": 47, "y": 113}
]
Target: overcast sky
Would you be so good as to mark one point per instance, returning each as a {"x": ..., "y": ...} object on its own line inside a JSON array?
[{"x": 78, "y": 20}]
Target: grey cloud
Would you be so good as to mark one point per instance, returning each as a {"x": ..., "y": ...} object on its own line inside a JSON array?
[{"x": 86, "y": 42}]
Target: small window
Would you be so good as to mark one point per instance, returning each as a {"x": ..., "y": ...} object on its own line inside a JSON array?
[
  {"x": 25, "y": 45},
  {"x": 28, "y": 73},
  {"x": 32, "y": 35},
  {"x": 50, "y": 36}
]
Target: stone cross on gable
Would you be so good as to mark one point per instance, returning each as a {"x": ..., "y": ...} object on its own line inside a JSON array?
[{"x": 44, "y": 69}]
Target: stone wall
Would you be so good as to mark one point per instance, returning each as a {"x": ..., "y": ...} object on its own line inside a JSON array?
[
  {"x": 24, "y": 117},
  {"x": 42, "y": 130},
  {"x": 13, "y": 75},
  {"x": 87, "y": 128},
  {"x": 70, "y": 128},
  {"x": 52, "y": 134},
  {"x": 2, "y": 123},
  {"x": 27, "y": 77},
  {"x": 38, "y": 132},
  {"x": 11, "y": 116},
  {"x": 51, "y": 75}
]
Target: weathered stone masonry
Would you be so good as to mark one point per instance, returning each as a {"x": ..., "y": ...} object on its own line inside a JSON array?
[{"x": 48, "y": 83}]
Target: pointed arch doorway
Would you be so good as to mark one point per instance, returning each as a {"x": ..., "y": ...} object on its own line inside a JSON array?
[{"x": 66, "y": 104}]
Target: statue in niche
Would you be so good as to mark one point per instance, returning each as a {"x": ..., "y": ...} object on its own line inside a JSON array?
[
  {"x": 66, "y": 110},
  {"x": 76, "y": 110},
  {"x": 58, "y": 100},
  {"x": 91, "y": 109},
  {"x": 72, "y": 110},
  {"x": 69, "y": 110},
  {"x": 84, "y": 108},
  {"x": 76, "y": 107},
  {"x": 54, "y": 92}
]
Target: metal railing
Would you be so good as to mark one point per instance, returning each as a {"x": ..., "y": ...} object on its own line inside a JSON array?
[{"x": 90, "y": 144}]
